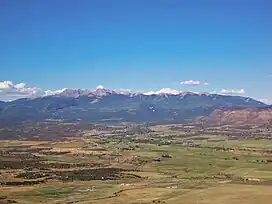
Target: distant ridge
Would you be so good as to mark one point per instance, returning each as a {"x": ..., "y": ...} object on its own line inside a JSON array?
[
  {"x": 101, "y": 91},
  {"x": 102, "y": 105}
]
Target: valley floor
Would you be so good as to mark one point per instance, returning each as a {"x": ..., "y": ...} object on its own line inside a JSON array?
[{"x": 161, "y": 165}]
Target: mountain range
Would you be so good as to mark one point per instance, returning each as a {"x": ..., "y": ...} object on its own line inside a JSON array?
[{"x": 105, "y": 105}]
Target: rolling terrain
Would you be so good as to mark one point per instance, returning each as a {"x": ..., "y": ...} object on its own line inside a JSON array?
[{"x": 261, "y": 116}]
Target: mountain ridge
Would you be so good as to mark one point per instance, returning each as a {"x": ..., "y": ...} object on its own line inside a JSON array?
[
  {"x": 102, "y": 105},
  {"x": 101, "y": 91}
]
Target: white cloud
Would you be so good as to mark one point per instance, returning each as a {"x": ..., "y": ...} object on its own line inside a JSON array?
[
  {"x": 194, "y": 83},
  {"x": 9, "y": 90},
  {"x": 9, "y": 85},
  {"x": 233, "y": 91},
  {"x": 31, "y": 91},
  {"x": 20, "y": 85},
  {"x": 6, "y": 85}
]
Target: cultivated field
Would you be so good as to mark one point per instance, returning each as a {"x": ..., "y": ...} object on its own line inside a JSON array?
[{"x": 135, "y": 164}]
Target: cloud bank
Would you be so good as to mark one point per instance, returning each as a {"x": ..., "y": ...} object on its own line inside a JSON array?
[
  {"x": 194, "y": 83},
  {"x": 233, "y": 91},
  {"x": 9, "y": 89},
  {"x": 12, "y": 91}
]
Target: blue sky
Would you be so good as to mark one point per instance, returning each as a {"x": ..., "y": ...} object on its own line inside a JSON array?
[{"x": 138, "y": 45}]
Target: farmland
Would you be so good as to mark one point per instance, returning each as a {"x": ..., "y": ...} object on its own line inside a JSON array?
[{"x": 137, "y": 164}]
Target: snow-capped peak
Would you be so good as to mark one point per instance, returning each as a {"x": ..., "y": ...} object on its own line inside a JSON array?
[
  {"x": 100, "y": 91},
  {"x": 99, "y": 87},
  {"x": 50, "y": 92},
  {"x": 169, "y": 91},
  {"x": 124, "y": 91},
  {"x": 164, "y": 91}
]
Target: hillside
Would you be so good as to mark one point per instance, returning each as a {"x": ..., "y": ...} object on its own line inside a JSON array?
[{"x": 249, "y": 116}]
